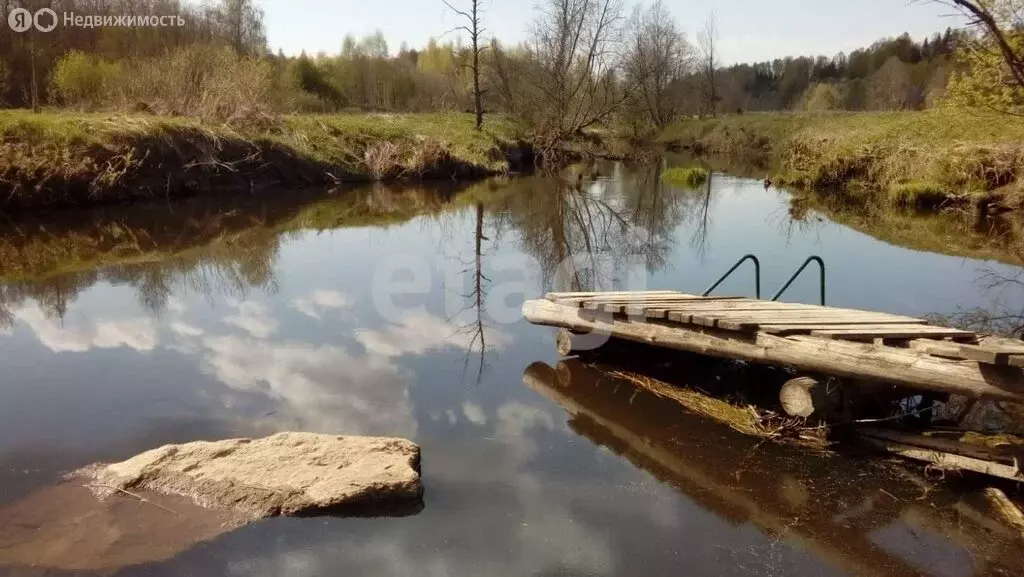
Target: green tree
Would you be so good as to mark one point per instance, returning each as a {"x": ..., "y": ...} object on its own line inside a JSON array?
[
  {"x": 823, "y": 97},
  {"x": 991, "y": 66}
]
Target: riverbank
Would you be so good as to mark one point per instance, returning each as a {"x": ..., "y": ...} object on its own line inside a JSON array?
[
  {"x": 54, "y": 160},
  {"x": 915, "y": 159}
]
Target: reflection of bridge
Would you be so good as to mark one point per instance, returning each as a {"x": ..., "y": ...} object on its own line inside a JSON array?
[
  {"x": 865, "y": 345},
  {"x": 818, "y": 504}
]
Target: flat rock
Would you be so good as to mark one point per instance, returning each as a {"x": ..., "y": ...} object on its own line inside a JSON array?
[{"x": 284, "y": 474}]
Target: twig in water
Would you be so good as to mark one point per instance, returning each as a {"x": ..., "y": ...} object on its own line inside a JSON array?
[
  {"x": 137, "y": 496},
  {"x": 895, "y": 417},
  {"x": 890, "y": 495}
]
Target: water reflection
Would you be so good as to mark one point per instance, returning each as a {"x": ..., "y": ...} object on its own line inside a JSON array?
[
  {"x": 127, "y": 329},
  {"x": 820, "y": 504}
]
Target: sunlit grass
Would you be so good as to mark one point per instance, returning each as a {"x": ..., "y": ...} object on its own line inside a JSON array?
[
  {"x": 688, "y": 175},
  {"x": 906, "y": 157}
]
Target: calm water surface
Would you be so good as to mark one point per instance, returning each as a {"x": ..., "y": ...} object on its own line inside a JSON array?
[{"x": 396, "y": 313}]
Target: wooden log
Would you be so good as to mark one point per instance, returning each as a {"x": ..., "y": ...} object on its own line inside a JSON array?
[
  {"x": 564, "y": 342},
  {"x": 946, "y": 461},
  {"x": 806, "y": 396},
  {"x": 841, "y": 358},
  {"x": 939, "y": 444},
  {"x": 1005, "y": 508}
]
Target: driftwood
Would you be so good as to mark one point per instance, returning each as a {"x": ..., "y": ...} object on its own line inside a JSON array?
[
  {"x": 1007, "y": 510},
  {"x": 849, "y": 359},
  {"x": 943, "y": 454}
]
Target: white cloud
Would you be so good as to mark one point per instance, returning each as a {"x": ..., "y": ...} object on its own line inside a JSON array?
[
  {"x": 253, "y": 318},
  {"x": 474, "y": 413},
  {"x": 320, "y": 301},
  {"x": 420, "y": 332},
  {"x": 324, "y": 388},
  {"x": 185, "y": 330},
  {"x": 72, "y": 336}
]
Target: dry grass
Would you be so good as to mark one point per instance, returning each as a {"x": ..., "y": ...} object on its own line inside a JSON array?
[
  {"x": 747, "y": 420},
  {"x": 53, "y": 159},
  {"x": 908, "y": 158}
]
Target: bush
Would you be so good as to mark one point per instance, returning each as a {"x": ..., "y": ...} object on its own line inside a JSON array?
[
  {"x": 823, "y": 97},
  {"x": 691, "y": 175},
  {"x": 84, "y": 80},
  {"x": 209, "y": 82}
]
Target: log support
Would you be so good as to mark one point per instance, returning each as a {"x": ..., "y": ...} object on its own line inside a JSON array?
[
  {"x": 806, "y": 397},
  {"x": 890, "y": 365}
]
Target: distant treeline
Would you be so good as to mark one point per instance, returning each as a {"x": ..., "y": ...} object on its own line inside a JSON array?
[
  {"x": 892, "y": 74},
  {"x": 586, "y": 62}
]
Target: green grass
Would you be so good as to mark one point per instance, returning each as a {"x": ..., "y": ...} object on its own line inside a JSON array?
[
  {"x": 910, "y": 158},
  {"x": 689, "y": 175},
  {"x": 57, "y": 159}
]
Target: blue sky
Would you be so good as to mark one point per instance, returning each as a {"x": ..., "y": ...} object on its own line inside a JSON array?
[{"x": 749, "y": 29}]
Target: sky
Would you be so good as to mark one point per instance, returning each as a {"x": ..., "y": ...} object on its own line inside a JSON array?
[{"x": 749, "y": 30}]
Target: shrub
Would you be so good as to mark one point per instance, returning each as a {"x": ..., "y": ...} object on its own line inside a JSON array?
[
  {"x": 691, "y": 175},
  {"x": 823, "y": 97},
  {"x": 84, "y": 80},
  {"x": 209, "y": 82}
]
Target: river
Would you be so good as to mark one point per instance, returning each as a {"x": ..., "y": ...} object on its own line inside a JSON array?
[{"x": 387, "y": 312}]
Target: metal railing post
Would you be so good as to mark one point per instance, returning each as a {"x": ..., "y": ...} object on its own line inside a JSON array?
[
  {"x": 821, "y": 266},
  {"x": 757, "y": 275}
]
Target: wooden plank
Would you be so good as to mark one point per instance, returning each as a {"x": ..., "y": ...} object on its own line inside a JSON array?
[
  {"x": 626, "y": 299},
  {"x": 809, "y": 313},
  {"x": 743, "y": 320},
  {"x": 860, "y": 334},
  {"x": 841, "y": 358},
  {"x": 733, "y": 305},
  {"x": 600, "y": 304},
  {"x": 806, "y": 329},
  {"x": 557, "y": 296},
  {"x": 962, "y": 352}
]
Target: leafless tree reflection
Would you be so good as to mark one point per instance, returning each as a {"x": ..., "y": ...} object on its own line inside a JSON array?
[{"x": 588, "y": 234}]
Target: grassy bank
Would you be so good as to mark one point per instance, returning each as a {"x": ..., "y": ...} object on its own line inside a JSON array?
[
  {"x": 920, "y": 159},
  {"x": 53, "y": 160}
]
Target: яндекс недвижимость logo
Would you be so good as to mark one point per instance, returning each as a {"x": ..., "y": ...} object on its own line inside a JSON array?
[
  {"x": 20, "y": 19},
  {"x": 46, "y": 19}
]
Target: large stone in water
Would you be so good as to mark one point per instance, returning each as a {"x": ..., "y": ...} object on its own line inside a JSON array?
[{"x": 284, "y": 474}]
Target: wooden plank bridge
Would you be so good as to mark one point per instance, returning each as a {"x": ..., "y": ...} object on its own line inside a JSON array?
[{"x": 870, "y": 346}]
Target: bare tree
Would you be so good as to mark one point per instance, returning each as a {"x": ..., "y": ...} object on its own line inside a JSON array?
[
  {"x": 473, "y": 28},
  {"x": 659, "y": 56},
  {"x": 707, "y": 43},
  {"x": 576, "y": 49}
]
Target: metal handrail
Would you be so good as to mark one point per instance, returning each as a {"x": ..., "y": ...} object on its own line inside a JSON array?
[
  {"x": 757, "y": 275},
  {"x": 821, "y": 266}
]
